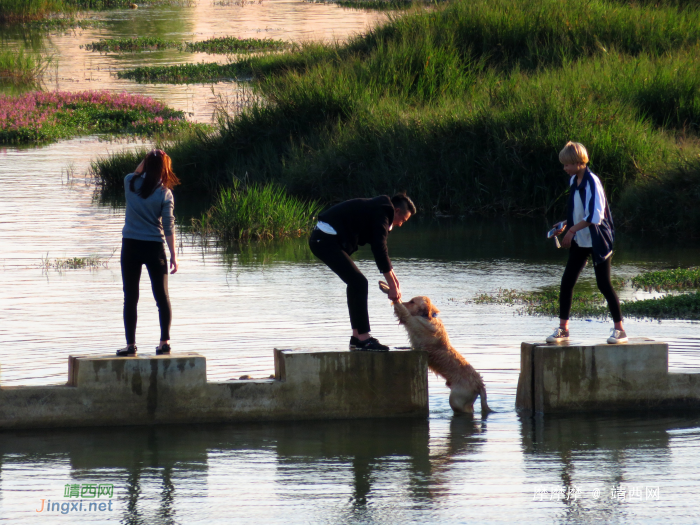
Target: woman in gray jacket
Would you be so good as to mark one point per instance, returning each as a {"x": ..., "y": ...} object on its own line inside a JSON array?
[{"x": 149, "y": 223}]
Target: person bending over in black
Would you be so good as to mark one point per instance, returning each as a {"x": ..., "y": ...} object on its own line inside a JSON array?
[{"x": 344, "y": 227}]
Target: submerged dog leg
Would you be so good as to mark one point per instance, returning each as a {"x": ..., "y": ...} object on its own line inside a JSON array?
[{"x": 484, "y": 406}]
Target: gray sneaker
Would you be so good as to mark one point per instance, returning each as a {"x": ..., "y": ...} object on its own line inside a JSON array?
[
  {"x": 558, "y": 336},
  {"x": 617, "y": 336}
]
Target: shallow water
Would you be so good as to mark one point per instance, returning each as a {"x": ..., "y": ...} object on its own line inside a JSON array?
[{"x": 235, "y": 305}]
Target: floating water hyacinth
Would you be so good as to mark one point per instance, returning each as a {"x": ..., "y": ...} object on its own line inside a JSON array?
[{"x": 48, "y": 116}]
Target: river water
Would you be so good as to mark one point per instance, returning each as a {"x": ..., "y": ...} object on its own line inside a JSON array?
[{"x": 234, "y": 305}]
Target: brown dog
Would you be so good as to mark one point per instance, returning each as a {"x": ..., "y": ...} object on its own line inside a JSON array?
[{"x": 426, "y": 332}]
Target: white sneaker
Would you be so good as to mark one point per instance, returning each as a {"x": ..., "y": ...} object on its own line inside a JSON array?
[
  {"x": 558, "y": 336},
  {"x": 618, "y": 336}
]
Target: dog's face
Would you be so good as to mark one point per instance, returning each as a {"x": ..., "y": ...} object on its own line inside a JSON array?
[{"x": 422, "y": 306}]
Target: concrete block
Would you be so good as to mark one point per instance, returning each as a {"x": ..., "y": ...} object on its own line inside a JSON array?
[
  {"x": 110, "y": 390},
  {"x": 579, "y": 376}
]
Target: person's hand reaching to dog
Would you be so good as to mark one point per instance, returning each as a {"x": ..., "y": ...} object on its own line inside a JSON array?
[{"x": 394, "y": 288}]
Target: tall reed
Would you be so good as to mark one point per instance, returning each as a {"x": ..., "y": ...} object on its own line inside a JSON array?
[
  {"x": 19, "y": 68},
  {"x": 257, "y": 211}
]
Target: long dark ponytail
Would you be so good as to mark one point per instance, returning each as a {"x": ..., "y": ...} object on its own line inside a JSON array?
[{"x": 158, "y": 169}]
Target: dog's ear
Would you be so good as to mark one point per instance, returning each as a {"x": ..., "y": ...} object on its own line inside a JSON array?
[{"x": 384, "y": 287}]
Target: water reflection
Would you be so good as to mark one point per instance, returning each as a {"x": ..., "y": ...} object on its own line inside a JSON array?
[
  {"x": 440, "y": 470},
  {"x": 357, "y": 464},
  {"x": 608, "y": 462}
]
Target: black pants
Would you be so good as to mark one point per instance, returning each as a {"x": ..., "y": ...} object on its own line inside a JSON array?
[
  {"x": 328, "y": 249},
  {"x": 134, "y": 255},
  {"x": 578, "y": 257}
]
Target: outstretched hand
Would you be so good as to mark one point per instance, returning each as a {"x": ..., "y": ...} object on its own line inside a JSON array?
[{"x": 394, "y": 294}]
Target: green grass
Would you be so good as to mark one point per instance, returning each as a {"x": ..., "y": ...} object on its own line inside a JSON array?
[
  {"x": 592, "y": 304},
  {"x": 20, "y": 69},
  {"x": 230, "y": 44},
  {"x": 185, "y": 73},
  {"x": 676, "y": 279},
  {"x": 686, "y": 306},
  {"x": 254, "y": 212},
  {"x": 131, "y": 45},
  {"x": 546, "y": 302},
  {"x": 222, "y": 45},
  {"x": 381, "y": 5},
  {"x": 466, "y": 106}
]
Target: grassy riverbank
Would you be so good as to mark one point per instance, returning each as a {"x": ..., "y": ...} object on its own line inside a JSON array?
[
  {"x": 465, "y": 106},
  {"x": 49, "y": 116}
]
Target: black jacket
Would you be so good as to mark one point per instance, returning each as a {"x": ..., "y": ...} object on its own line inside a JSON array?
[{"x": 363, "y": 221}]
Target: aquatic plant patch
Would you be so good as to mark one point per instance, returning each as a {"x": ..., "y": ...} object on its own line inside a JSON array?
[
  {"x": 91, "y": 262},
  {"x": 230, "y": 44},
  {"x": 676, "y": 279},
  {"x": 257, "y": 211},
  {"x": 131, "y": 45},
  {"x": 683, "y": 306},
  {"x": 221, "y": 46},
  {"x": 383, "y": 5},
  {"x": 546, "y": 302},
  {"x": 592, "y": 304},
  {"x": 187, "y": 73},
  {"x": 48, "y": 116},
  {"x": 20, "y": 68}
]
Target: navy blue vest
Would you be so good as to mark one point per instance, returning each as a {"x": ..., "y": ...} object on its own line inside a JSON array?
[{"x": 603, "y": 234}]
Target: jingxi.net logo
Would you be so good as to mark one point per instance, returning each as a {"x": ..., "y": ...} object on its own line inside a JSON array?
[{"x": 89, "y": 497}]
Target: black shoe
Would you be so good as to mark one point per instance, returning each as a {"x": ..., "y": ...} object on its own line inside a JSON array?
[
  {"x": 127, "y": 351},
  {"x": 354, "y": 342},
  {"x": 371, "y": 345},
  {"x": 165, "y": 349}
]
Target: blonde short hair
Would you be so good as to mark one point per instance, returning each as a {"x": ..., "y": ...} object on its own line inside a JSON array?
[{"x": 573, "y": 153}]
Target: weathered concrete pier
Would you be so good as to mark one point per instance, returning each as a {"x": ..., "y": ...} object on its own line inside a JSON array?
[
  {"x": 146, "y": 390},
  {"x": 579, "y": 377}
]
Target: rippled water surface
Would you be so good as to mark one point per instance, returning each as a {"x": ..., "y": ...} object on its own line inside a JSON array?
[{"x": 235, "y": 305}]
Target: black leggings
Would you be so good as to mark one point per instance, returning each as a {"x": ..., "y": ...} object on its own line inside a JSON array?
[
  {"x": 134, "y": 255},
  {"x": 327, "y": 248},
  {"x": 578, "y": 257}
]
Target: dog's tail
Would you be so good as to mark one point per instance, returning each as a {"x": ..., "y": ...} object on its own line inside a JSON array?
[{"x": 482, "y": 395}]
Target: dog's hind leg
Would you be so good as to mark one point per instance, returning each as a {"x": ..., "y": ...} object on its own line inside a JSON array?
[{"x": 484, "y": 406}]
